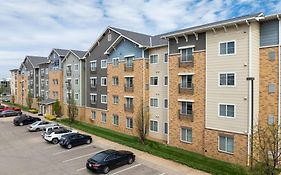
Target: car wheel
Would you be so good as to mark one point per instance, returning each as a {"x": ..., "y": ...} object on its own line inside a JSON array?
[
  {"x": 88, "y": 141},
  {"x": 21, "y": 124},
  {"x": 37, "y": 129},
  {"x": 4, "y": 115},
  {"x": 55, "y": 141},
  {"x": 106, "y": 170},
  {"x": 131, "y": 160},
  {"x": 69, "y": 146}
]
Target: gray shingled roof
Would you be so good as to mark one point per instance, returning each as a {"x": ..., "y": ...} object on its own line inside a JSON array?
[
  {"x": 143, "y": 39},
  {"x": 35, "y": 60},
  {"x": 213, "y": 24},
  {"x": 61, "y": 52},
  {"x": 79, "y": 53},
  {"x": 47, "y": 101}
]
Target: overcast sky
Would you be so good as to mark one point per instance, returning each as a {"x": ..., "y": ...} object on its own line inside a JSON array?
[{"x": 34, "y": 27}]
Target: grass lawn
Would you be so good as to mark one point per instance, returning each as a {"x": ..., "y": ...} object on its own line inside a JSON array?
[{"x": 190, "y": 159}]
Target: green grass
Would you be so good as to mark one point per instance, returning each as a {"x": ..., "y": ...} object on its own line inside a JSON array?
[
  {"x": 24, "y": 108},
  {"x": 190, "y": 159}
]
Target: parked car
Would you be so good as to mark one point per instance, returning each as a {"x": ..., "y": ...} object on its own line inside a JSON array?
[
  {"x": 11, "y": 108},
  {"x": 6, "y": 100},
  {"x": 50, "y": 117},
  {"x": 9, "y": 113},
  {"x": 74, "y": 139},
  {"x": 33, "y": 111},
  {"x": 40, "y": 125},
  {"x": 56, "y": 134},
  {"x": 25, "y": 120},
  {"x": 49, "y": 130},
  {"x": 109, "y": 159}
]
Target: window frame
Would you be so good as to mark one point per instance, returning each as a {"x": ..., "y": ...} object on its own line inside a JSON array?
[
  {"x": 113, "y": 120},
  {"x": 226, "y": 73},
  {"x": 113, "y": 99},
  {"x": 226, "y": 143},
  {"x": 101, "y": 97},
  {"x": 75, "y": 67},
  {"x": 153, "y": 78},
  {"x": 76, "y": 79},
  {"x": 113, "y": 82},
  {"x": 227, "y": 54},
  {"x": 103, "y": 114},
  {"x": 95, "y": 116},
  {"x": 157, "y": 58},
  {"x": 130, "y": 118},
  {"x": 77, "y": 96},
  {"x": 154, "y": 98},
  {"x": 152, "y": 120},
  {"x": 101, "y": 64},
  {"x": 185, "y": 141},
  {"x": 91, "y": 62},
  {"x": 166, "y": 76},
  {"x": 167, "y": 58},
  {"x": 167, "y": 103},
  {"x": 227, "y": 104},
  {"x": 101, "y": 79},
  {"x": 164, "y": 128},
  {"x": 113, "y": 63}
]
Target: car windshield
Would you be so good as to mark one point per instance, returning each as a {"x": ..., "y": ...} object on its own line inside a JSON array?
[
  {"x": 35, "y": 123},
  {"x": 99, "y": 157}
]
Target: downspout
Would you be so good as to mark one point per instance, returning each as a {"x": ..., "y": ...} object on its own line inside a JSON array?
[
  {"x": 143, "y": 85},
  {"x": 279, "y": 78},
  {"x": 168, "y": 118},
  {"x": 249, "y": 91}
]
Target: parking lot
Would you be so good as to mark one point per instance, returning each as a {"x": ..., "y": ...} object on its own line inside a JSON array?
[{"x": 27, "y": 153}]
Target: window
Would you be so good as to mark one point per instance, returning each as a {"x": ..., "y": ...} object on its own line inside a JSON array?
[
  {"x": 129, "y": 82},
  {"x": 186, "y": 55},
  {"x": 226, "y": 143},
  {"x": 186, "y": 134},
  {"x": 115, "y": 80},
  {"x": 166, "y": 80},
  {"x": 42, "y": 71},
  {"x": 129, "y": 61},
  {"x": 115, "y": 119},
  {"x": 165, "y": 128},
  {"x": 104, "y": 99},
  {"x": 76, "y": 96},
  {"x": 93, "y": 82},
  {"x": 154, "y": 125},
  {"x": 153, "y": 81},
  {"x": 93, "y": 98},
  {"x": 76, "y": 81},
  {"x": 103, "y": 81},
  {"x": 226, "y": 110},
  {"x": 186, "y": 108},
  {"x": 129, "y": 102},
  {"x": 154, "y": 102},
  {"x": 55, "y": 81},
  {"x": 76, "y": 67},
  {"x": 103, "y": 64},
  {"x": 129, "y": 122},
  {"x": 93, "y": 65},
  {"x": 68, "y": 70},
  {"x": 186, "y": 81},
  {"x": 94, "y": 115},
  {"x": 166, "y": 58},
  {"x": 46, "y": 71},
  {"x": 227, "y": 79},
  {"x": 103, "y": 117},
  {"x": 166, "y": 103},
  {"x": 115, "y": 99},
  {"x": 109, "y": 37},
  {"x": 47, "y": 82},
  {"x": 227, "y": 48},
  {"x": 115, "y": 62},
  {"x": 153, "y": 59}
]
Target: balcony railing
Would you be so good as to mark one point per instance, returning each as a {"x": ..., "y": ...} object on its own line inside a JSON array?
[
  {"x": 129, "y": 108},
  {"x": 68, "y": 72},
  {"x": 185, "y": 61},
  {"x": 128, "y": 67},
  {"x": 186, "y": 115},
  {"x": 128, "y": 88},
  {"x": 68, "y": 86},
  {"x": 186, "y": 88}
]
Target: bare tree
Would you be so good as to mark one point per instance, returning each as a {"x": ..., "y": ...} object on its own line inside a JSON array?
[
  {"x": 72, "y": 108},
  {"x": 142, "y": 123}
]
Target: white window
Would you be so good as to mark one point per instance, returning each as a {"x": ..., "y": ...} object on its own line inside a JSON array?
[
  {"x": 103, "y": 64},
  {"x": 186, "y": 55},
  {"x": 226, "y": 143},
  {"x": 153, "y": 59},
  {"x": 94, "y": 115},
  {"x": 76, "y": 81},
  {"x": 76, "y": 67},
  {"x": 186, "y": 81},
  {"x": 129, "y": 122},
  {"x": 93, "y": 98},
  {"x": 42, "y": 71},
  {"x": 93, "y": 65},
  {"x": 154, "y": 102},
  {"x": 46, "y": 71},
  {"x": 154, "y": 125},
  {"x": 115, "y": 119},
  {"x": 115, "y": 80},
  {"x": 76, "y": 96},
  {"x": 115, "y": 99},
  {"x": 103, "y": 117},
  {"x": 166, "y": 104},
  {"x": 186, "y": 134},
  {"x": 47, "y": 82},
  {"x": 93, "y": 82},
  {"x": 166, "y": 80},
  {"x": 227, "y": 48},
  {"x": 166, "y": 58},
  {"x": 104, "y": 99},
  {"x": 227, "y": 79},
  {"x": 115, "y": 62},
  {"x": 186, "y": 108},
  {"x": 153, "y": 81},
  {"x": 47, "y": 94},
  {"x": 103, "y": 81},
  {"x": 109, "y": 37},
  {"x": 226, "y": 110},
  {"x": 165, "y": 128}
]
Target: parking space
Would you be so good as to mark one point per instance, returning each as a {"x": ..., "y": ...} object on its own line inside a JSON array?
[{"x": 27, "y": 153}]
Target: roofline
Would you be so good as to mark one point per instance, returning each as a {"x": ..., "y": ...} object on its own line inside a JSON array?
[
  {"x": 140, "y": 45},
  {"x": 161, "y": 45},
  {"x": 202, "y": 29},
  {"x": 12, "y": 70},
  {"x": 273, "y": 16},
  {"x": 27, "y": 57},
  {"x": 71, "y": 51}
]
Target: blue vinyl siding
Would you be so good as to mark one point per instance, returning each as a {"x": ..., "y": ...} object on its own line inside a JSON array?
[{"x": 269, "y": 33}]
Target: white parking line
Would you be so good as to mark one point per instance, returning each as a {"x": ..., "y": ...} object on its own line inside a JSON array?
[
  {"x": 61, "y": 152},
  {"x": 81, "y": 169},
  {"x": 125, "y": 169},
  {"x": 81, "y": 156}
]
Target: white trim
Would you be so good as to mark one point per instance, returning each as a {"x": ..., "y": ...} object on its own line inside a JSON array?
[
  {"x": 128, "y": 96},
  {"x": 102, "y": 95},
  {"x": 249, "y": 90},
  {"x": 185, "y": 73},
  {"x": 224, "y": 86},
  {"x": 226, "y": 144},
  {"x": 105, "y": 64},
  {"x": 184, "y": 141},
  {"x": 131, "y": 55},
  {"x": 153, "y": 84},
  {"x": 128, "y": 76},
  {"x": 101, "y": 81},
  {"x": 157, "y": 126},
  {"x": 186, "y": 47},
  {"x": 127, "y": 122},
  {"x": 112, "y": 62},
  {"x": 157, "y": 102},
  {"x": 225, "y": 130},
  {"x": 219, "y": 48},
  {"x": 185, "y": 100},
  {"x": 154, "y": 55},
  {"x": 227, "y": 104},
  {"x": 114, "y": 115},
  {"x": 93, "y": 93},
  {"x": 274, "y": 45}
]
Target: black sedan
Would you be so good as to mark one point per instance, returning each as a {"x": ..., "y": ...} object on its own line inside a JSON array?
[
  {"x": 25, "y": 120},
  {"x": 109, "y": 159},
  {"x": 9, "y": 113},
  {"x": 74, "y": 139}
]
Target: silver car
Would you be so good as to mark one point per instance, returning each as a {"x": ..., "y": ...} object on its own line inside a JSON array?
[{"x": 40, "y": 125}]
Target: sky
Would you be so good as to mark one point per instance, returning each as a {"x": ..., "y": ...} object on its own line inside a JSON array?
[{"x": 34, "y": 27}]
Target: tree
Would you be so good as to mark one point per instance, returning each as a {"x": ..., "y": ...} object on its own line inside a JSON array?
[
  {"x": 13, "y": 98},
  {"x": 29, "y": 99},
  {"x": 267, "y": 149},
  {"x": 142, "y": 123},
  {"x": 72, "y": 108},
  {"x": 57, "y": 108}
]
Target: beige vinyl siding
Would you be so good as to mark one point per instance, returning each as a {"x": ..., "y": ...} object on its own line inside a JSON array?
[{"x": 237, "y": 63}]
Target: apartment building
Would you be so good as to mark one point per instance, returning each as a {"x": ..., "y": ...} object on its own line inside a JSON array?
[
  {"x": 14, "y": 83},
  {"x": 22, "y": 82},
  {"x": 74, "y": 80}
]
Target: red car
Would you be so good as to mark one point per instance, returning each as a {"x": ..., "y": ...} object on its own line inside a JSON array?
[{"x": 10, "y": 108}]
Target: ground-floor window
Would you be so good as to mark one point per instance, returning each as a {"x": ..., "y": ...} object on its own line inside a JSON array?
[
  {"x": 226, "y": 143},
  {"x": 186, "y": 134},
  {"x": 103, "y": 117},
  {"x": 129, "y": 122},
  {"x": 94, "y": 115},
  {"x": 154, "y": 125},
  {"x": 115, "y": 119},
  {"x": 165, "y": 128}
]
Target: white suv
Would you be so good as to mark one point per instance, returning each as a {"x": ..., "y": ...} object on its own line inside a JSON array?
[
  {"x": 56, "y": 134},
  {"x": 49, "y": 130}
]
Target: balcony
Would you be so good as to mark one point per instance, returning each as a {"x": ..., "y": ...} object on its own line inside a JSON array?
[
  {"x": 68, "y": 72},
  {"x": 188, "y": 115},
  {"x": 186, "y": 88},
  {"x": 128, "y": 88},
  {"x": 185, "y": 61},
  {"x": 128, "y": 67},
  {"x": 68, "y": 86},
  {"x": 129, "y": 108}
]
